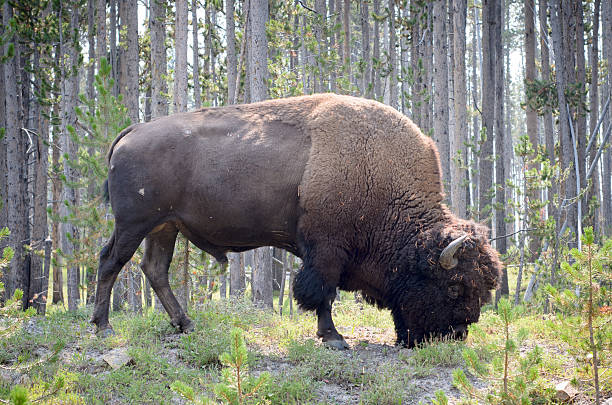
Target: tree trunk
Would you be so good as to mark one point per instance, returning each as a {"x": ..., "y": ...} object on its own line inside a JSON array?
[
  {"x": 440, "y": 94},
  {"x": 3, "y": 169},
  {"x": 180, "y": 48},
  {"x": 333, "y": 77},
  {"x": 231, "y": 51},
  {"x": 258, "y": 49},
  {"x": 500, "y": 170},
  {"x": 475, "y": 159},
  {"x": 69, "y": 98},
  {"x": 563, "y": 62},
  {"x": 593, "y": 191},
  {"x": 346, "y": 26},
  {"x": 606, "y": 31},
  {"x": 376, "y": 53},
  {"x": 318, "y": 28},
  {"x": 14, "y": 162},
  {"x": 581, "y": 113},
  {"x": 488, "y": 111},
  {"x": 39, "y": 276},
  {"x": 197, "y": 98},
  {"x": 262, "y": 278},
  {"x": 531, "y": 114},
  {"x": 236, "y": 267},
  {"x": 159, "y": 87},
  {"x": 546, "y": 76},
  {"x": 56, "y": 193},
  {"x": 457, "y": 150},
  {"x": 393, "y": 57},
  {"x": 113, "y": 46},
  {"x": 100, "y": 31}
]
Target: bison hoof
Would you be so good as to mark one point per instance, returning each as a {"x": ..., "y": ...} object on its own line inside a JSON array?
[
  {"x": 337, "y": 344},
  {"x": 187, "y": 328},
  {"x": 105, "y": 332}
]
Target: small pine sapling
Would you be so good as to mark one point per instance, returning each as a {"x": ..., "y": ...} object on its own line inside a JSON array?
[
  {"x": 237, "y": 386},
  {"x": 584, "y": 321},
  {"x": 512, "y": 375},
  {"x": 11, "y": 311}
]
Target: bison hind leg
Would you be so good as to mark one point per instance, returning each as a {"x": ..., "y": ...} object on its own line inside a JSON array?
[{"x": 159, "y": 248}]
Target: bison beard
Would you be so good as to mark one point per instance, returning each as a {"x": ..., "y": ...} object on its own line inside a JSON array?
[{"x": 349, "y": 185}]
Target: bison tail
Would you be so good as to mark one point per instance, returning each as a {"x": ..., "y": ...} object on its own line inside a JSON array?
[
  {"x": 117, "y": 139},
  {"x": 105, "y": 193}
]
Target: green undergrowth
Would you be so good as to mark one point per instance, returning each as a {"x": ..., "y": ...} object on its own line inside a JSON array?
[{"x": 58, "y": 359}]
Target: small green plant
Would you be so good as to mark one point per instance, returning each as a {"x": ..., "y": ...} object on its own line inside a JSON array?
[
  {"x": 237, "y": 387},
  {"x": 440, "y": 398},
  {"x": 586, "y": 328},
  {"x": 512, "y": 374}
]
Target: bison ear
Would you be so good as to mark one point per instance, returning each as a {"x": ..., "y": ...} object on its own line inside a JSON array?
[{"x": 447, "y": 257}]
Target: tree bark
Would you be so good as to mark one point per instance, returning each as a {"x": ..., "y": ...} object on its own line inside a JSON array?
[
  {"x": 376, "y": 53},
  {"x": 393, "y": 57},
  {"x": 258, "y": 49},
  {"x": 14, "y": 163},
  {"x": 531, "y": 114},
  {"x": 346, "y": 18},
  {"x": 197, "y": 97},
  {"x": 159, "y": 86},
  {"x": 56, "y": 193},
  {"x": 500, "y": 170},
  {"x": 39, "y": 276},
  {"x": 236, "y": 267},
  {"x": 563, "y": 62},
  {"x": 180, "y": 48},
  {"x": 100, "y": 31},
  {"x": 3, "y": 168},
  {"x": 488, "y": 111},
  {"x": 546, "y": 76},
  {"x": 457, "y": 150},
  {"x": 114, "y": 62},
  {"x": 606, "y": 31},
  {"x": 593, "y": 191},
  {"x": 69, "y": 98},
  {"x": 262, "y": 278},
  {"x": 440, "y": 94},
  {"x": 231, "y": 51}
]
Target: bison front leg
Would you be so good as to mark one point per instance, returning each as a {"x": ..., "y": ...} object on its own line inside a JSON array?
[
  {"x": 312, "y": 292},
  {"x": 159, "y": 247}
]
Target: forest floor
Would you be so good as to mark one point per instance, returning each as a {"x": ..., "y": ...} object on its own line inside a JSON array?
[{"x": 60, "y": 360}]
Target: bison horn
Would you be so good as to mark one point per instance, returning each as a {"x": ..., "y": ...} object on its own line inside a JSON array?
[{"x": 447, "y": 257}]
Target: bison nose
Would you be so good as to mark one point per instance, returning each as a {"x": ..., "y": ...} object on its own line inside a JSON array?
[{"x": 460, "y": 331}]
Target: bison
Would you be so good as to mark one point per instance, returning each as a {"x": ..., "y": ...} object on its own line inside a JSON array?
[{"x": 349, "y": 185}]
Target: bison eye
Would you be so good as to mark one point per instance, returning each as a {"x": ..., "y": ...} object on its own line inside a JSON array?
[{"x": 454, "y": 291}]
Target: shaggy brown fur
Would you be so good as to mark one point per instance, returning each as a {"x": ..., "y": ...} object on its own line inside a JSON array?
[{"x": 350, "y": 185}]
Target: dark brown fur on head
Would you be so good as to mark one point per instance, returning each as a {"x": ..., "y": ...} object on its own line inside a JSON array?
[{"x": 431, "y": 301}]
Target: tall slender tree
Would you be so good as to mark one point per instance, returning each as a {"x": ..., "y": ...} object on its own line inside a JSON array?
[
  {"x": 197, "y": 98},
  {"x": 488, "y": 109},
  {"x": 70, "y": 89},
  {"x": 459, "y": 136},
  {"x": 440, "y": 94},
  {"x": 15, "y": 159},
  {"x": 606, "y": 30}
]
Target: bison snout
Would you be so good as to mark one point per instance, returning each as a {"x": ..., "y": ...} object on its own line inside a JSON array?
[{"x": 459, "y": 332}]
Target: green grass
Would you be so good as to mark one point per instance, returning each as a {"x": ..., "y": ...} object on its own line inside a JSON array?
[{"x": 301, "y": 368}]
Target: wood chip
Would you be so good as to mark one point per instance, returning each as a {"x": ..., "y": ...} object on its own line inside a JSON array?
[{"x": 565, "y": 391}]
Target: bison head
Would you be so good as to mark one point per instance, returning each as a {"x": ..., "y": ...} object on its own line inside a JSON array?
[{"x": 447, "y": 275}]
